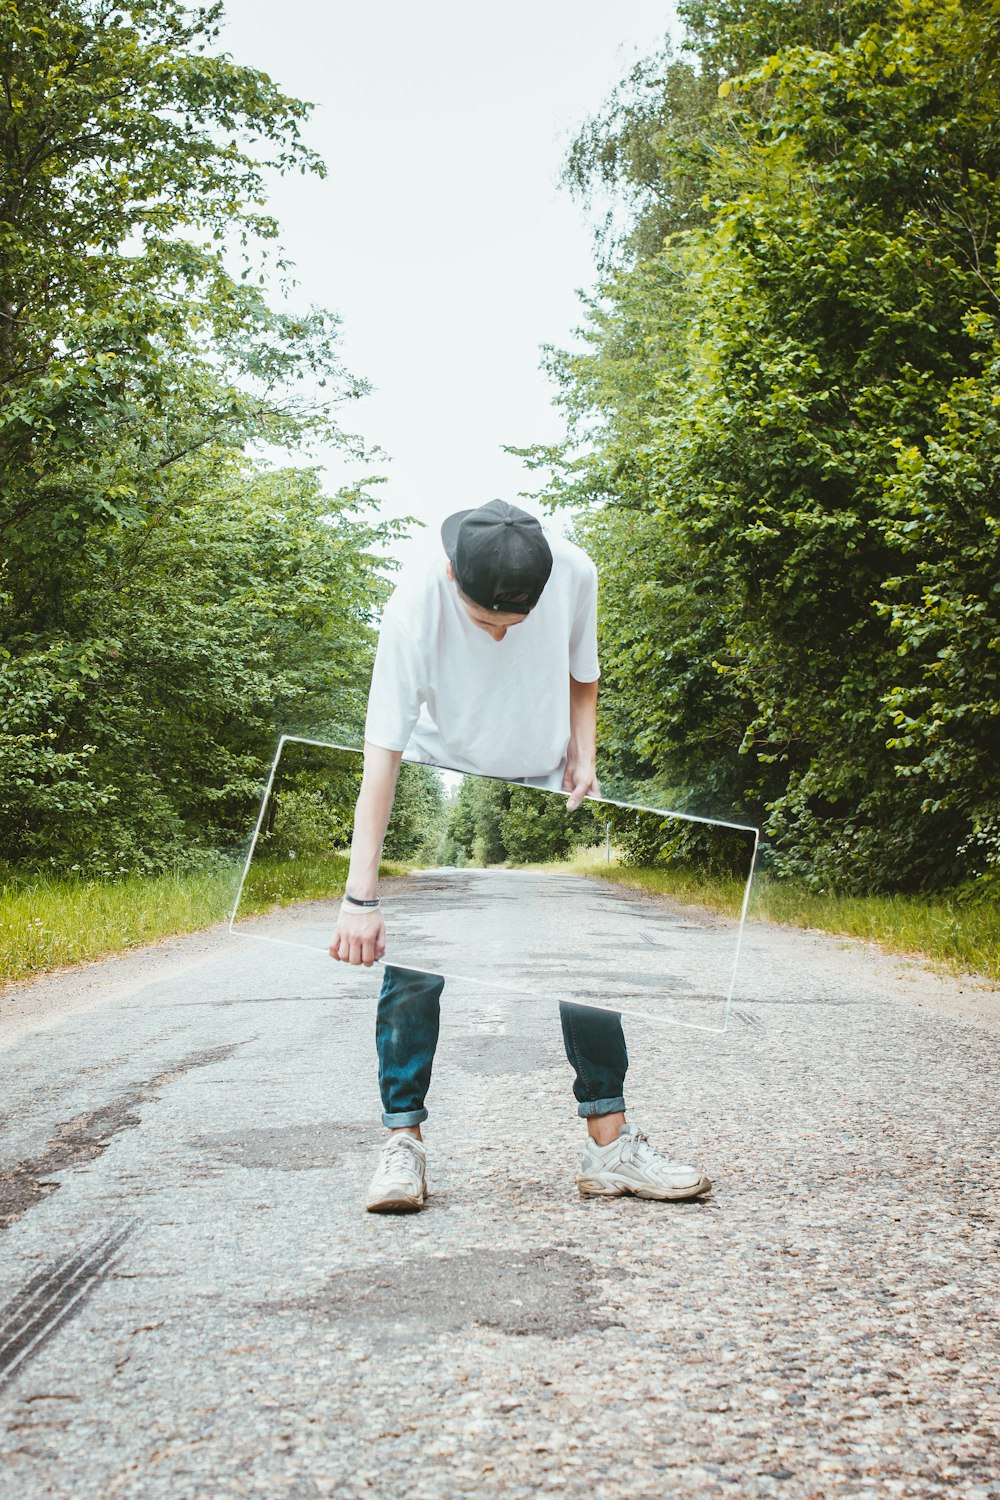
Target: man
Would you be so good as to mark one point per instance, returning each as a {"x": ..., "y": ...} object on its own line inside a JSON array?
[{"x": 488, "y": 664}]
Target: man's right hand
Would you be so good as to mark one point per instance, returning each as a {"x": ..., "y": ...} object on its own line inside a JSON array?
[{"x": 360, "y": 937}]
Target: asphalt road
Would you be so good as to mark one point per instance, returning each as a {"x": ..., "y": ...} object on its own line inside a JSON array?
[{"x": 195, "y": 1303}]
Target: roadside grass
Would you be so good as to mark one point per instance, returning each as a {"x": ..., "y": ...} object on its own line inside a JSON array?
[
  {"x": 47, "y": 923},
  {"x": 956, "y": 930}
]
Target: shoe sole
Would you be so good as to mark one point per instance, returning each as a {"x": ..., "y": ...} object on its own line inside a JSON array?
[
  {"x": 397, "y": 1205},
  {"x": 595, "y": 1188}
]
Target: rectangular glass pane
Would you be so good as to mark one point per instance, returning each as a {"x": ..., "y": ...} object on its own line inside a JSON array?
[{"x": 505, "y": 889}]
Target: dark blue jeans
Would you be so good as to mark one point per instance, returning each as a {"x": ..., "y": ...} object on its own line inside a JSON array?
[{"x": 406, "y": 1036}]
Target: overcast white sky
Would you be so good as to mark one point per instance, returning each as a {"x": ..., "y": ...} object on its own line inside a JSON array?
[{"x": 441, "y": 236}]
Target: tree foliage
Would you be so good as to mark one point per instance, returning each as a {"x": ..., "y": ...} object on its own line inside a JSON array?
[
  {"x": 310, "y": 813},
  {"x": 496, "y": 822},
  {"x": 168, "y": 603},
  {"x": 784, "y": 431}
]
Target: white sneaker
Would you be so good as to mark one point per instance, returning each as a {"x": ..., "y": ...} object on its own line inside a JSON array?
[
  {"x": 400, "y": 1182},
  {"x": 631, "y": 1165}
]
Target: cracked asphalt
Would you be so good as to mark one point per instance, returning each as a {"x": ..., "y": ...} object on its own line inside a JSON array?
[{"x": 196, "y": 1305}]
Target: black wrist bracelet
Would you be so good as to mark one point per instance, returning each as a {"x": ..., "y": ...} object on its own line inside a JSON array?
[{"x": 353, "y": 901}]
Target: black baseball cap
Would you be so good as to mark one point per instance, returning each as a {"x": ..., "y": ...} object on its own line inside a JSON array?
[{"x": 499, "y": 556}]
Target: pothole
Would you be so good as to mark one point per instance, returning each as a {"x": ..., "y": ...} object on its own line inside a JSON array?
[
  {"x": 288, "y": 1148},
  {"x": 543, "y": 1292}
]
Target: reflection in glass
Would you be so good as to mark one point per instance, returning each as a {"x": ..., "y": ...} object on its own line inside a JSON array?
[{"x": 501, "y": 888}]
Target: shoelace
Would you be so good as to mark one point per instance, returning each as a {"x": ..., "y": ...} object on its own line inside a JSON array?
[
  {"x": 397, "y": 1148},
  {"x": 640, "y": 1149}
]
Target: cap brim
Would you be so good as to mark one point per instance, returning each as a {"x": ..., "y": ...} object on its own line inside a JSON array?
[{"x": 449, "y": 532}]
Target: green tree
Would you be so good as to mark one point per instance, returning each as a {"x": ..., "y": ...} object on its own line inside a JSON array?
[
  {"x": 535, "y": 827},
  {"x": 311, "y": 809},
  {"x": 167, "y": 604},
  {"x": 496, "y": 822},
  {"x": 417, "y": 825},
  {"x": 129, "y": 337},
  {"x": 475, "y": 815},
  {"x": 241, "y": 616},
  {"x": 730, "y": 37},
  {"x": 784, "y": 419}
]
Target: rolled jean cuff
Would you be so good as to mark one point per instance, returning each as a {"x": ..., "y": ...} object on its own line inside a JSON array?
[
  {"x": 404, "y": 1118},
  {"x": 601, "y": 1107}
]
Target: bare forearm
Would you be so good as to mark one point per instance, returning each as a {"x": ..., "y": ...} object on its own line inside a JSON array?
[
  {"x": 580, "y": 779},
  {"x": 371, "y": 819},
  {"x": 583, "y": 719}
]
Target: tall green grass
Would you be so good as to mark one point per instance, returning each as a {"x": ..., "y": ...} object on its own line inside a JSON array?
[
  {"x": 957, "y": 929},
  {"x": 46, "y": 923}
]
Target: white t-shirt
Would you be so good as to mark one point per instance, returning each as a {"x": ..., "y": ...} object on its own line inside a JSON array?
[{"x": 445, "y": 692}]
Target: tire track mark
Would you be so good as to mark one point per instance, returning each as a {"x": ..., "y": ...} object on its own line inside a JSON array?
[{"x": 51, "y": 1297}]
